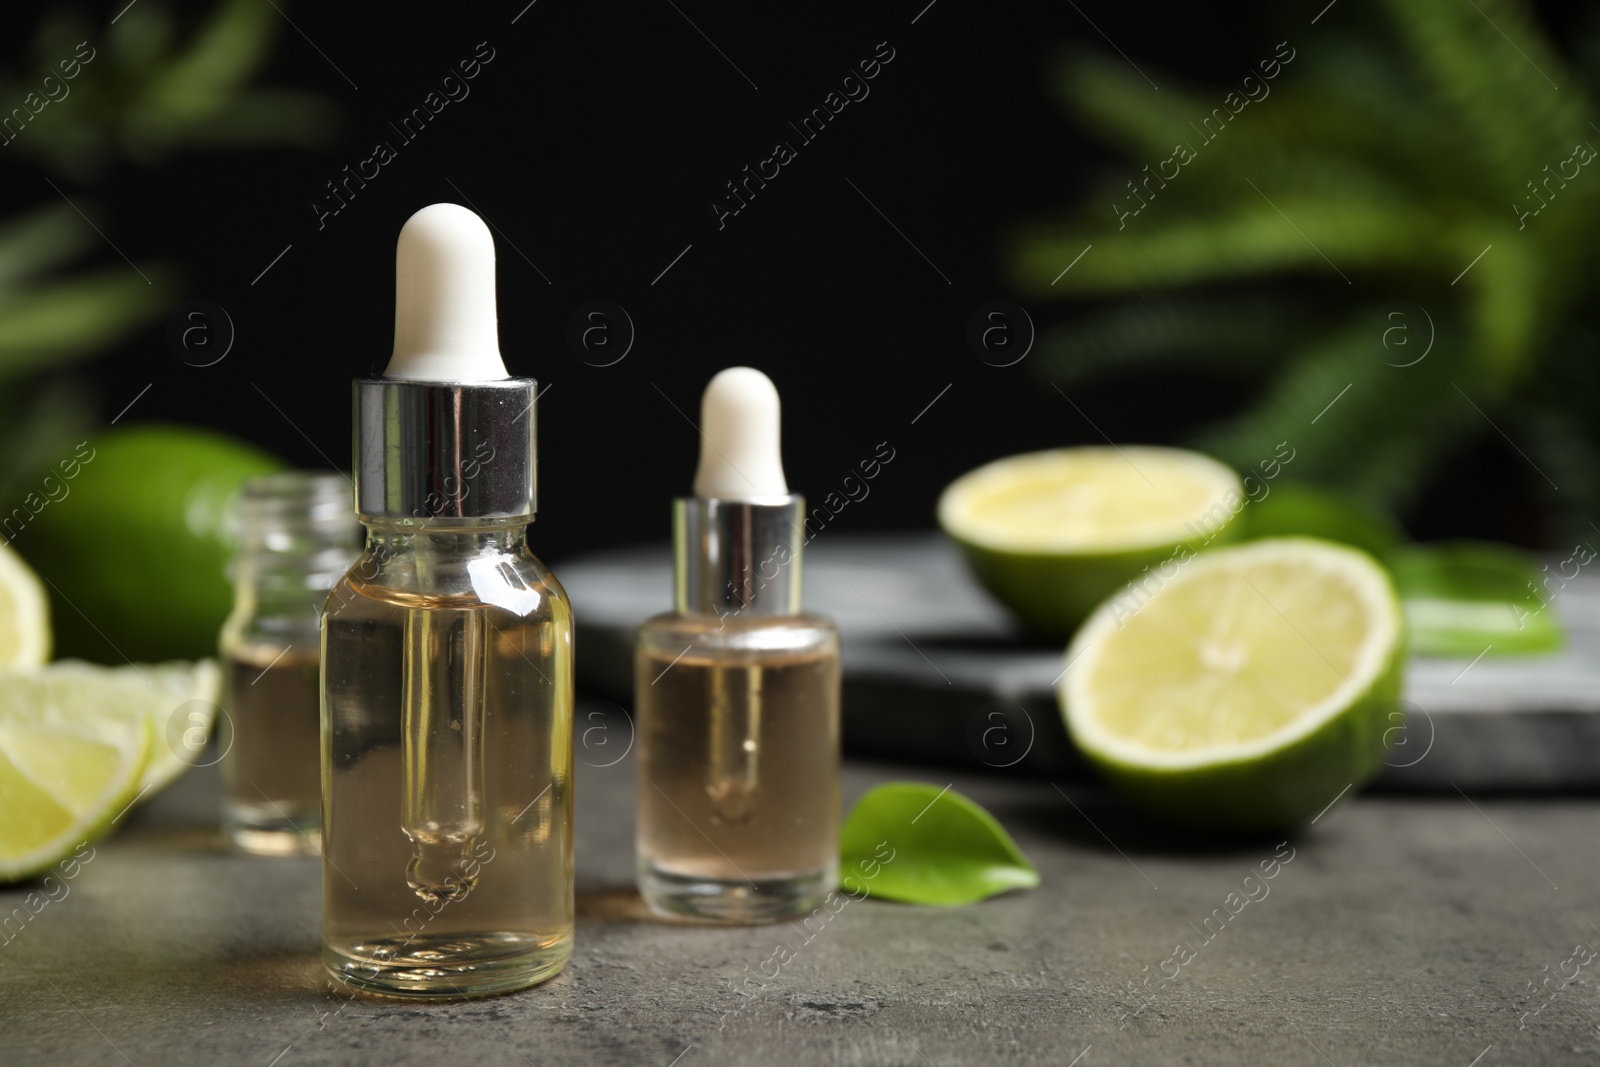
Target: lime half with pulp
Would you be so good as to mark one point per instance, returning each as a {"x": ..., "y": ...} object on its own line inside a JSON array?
[
  {"x": 1250, "y": 690},
  {"x": 1052, "y": 534}
]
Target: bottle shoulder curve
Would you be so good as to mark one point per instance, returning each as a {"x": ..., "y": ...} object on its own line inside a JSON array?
[
  {"x": 739, "y": 636},
  {"x": 515, "y": 580}
]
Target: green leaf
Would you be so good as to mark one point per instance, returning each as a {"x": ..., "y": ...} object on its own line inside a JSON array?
[
  {"x": 1499, "y": 76},
  {"x": 1214, "y": 333},
  {"x": 151, "y": 91},
  {"x": 258, "y": 117},
  {"x": 1294, "y": 510},
  {"x": 1426, "y": 154},
  {"x": 221, "y": 56},
  {"x": 919, "y": 844},
  {"x": 1512, "y": 311},
  {"x": 1356, "y": 100},
  {"x": 1356, "y": 420},
  {"x": 78, "y": 317},
  {"x": 1464, "y": 597},
  {"x": 38, "y": 240},
  {"x": 1121, "y": 107},
  {"x": 1293, "y": 232}
]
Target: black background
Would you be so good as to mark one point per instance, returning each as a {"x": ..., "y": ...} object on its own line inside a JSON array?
[{"x": 593, "y": 142}]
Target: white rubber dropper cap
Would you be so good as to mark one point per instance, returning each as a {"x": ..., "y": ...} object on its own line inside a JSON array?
[
  {"x": 740, "y": 454},
  {"x": 445, "y": 327}
]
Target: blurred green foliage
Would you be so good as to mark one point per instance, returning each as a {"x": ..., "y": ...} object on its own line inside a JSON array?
[
  {"x": 149, "y": 92},
  {"x": 1319, "y": 241}
]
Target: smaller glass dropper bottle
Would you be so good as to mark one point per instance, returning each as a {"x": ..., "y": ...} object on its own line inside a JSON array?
[{"x": 737, "y": 691}]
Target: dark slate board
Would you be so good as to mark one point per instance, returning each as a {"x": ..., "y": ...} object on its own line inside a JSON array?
[{"x": 935, "y": 671}]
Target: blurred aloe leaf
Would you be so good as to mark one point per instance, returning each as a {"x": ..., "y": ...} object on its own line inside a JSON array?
[
  {"x": 47, "y": 325},
  {"x": 1224, "y": 335},
  {"x": 39, "y": 240},
  {"x": 1421, "y": 162},
  {"x": 149, "y": 91},
  {"x": 1463, "y": 598},
  {"x": 139, "y": 89}
]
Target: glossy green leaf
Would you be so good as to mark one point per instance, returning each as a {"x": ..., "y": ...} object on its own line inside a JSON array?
[
  {"x": 1463, "y": 597},
  {"x": 920, "y": 844},
  {"x": 1294, "y": 510}
]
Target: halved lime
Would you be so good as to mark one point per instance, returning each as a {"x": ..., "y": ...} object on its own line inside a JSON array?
[
  {"x": 24, "y": 614},
  {"x": 1051, "y": 534},
  {"x": 1250, "y": 689},
  {"x": 72, "y": 752}
]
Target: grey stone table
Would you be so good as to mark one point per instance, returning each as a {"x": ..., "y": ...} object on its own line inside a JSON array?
[
  {"x": 1401, "y": 931},
  {"x": 935, "y": 670}
]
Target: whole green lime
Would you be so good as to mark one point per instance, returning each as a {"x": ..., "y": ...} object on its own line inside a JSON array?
[{"x": 132, "y": 535}]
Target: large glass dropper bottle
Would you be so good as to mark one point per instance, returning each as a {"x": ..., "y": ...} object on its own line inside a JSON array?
[{"x": 446, "y": 660}]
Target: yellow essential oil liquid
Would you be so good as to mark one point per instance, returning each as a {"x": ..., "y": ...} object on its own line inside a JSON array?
[
  {"x": 297, "y": 534},
  {"x": 737, "y": 691},
  {"x": 446, "y": 661}
]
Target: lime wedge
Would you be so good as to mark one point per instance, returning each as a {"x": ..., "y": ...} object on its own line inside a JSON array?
[
  {"x": 1051, "y": 534},
  {"x": 180, "y": 700},
  {"x": 1250, "y": 689},
  {"x": 72, "y": 753},
  {"x": 24, "y": 614}
]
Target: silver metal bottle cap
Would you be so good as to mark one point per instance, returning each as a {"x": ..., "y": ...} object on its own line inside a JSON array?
[
  {"x": 737, "y": 557},
  {"x": 445, "y": 450}
]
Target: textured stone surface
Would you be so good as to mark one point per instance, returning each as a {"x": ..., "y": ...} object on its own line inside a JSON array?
[
  {"x": 1403, "y": 931},
  {"x": 932, "y": 663}
]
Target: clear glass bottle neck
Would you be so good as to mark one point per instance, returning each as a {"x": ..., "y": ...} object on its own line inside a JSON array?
[
  {"x": 460, "y": 537},
  {"x": 296, "y": 533}
]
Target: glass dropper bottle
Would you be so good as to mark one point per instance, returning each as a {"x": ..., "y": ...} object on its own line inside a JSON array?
[
  {"x": 446, "y": 660},
  {"x": 297, "y": 535},
  {"x": 737, "y": 689}
]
